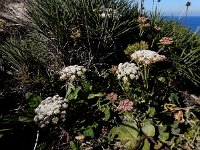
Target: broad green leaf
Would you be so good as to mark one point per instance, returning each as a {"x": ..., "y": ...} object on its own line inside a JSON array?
[
  {"x": 127, "y": 131},
  {"x": 33, "y": 100},
  {"x": 73, "y": 145},
  {"x": 106, "y": 111},
  {"x": 163, "y": 136},
  {"x": 162, "y": 128},
  {"x": 74, "y": 94},
  {"x": 176, "y": 131},
  {"x": 175, "y": 124},
  {"x": 130, "y": 145},
  {"x": 89, "y": 132},
  {"x": 69, "y": 88},
  {"x": 148, "y": 129},
  {"x": 187, "y": 114},
  {"x": 91, "y": 96},
  {"x": 174, "y": 98},
  {"x": 86, "y": 85},
  {"x": 72, "y": 91},
  {"x": 189, "y": 134},
  {"x": 152, "y": 111},
  {"x": 146, "y": 145},
  {"x": 130, "y": 129}
]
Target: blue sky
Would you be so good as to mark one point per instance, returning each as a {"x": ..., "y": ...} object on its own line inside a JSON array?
[{"x": 174, "y": 7}]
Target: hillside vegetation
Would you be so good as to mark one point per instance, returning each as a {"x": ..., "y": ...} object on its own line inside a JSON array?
[{"x": 93, "y": 74}]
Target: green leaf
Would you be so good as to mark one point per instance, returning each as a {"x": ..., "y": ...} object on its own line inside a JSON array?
[
  {"x": 187, "y": 114},
  {"x": 86, "y": 85},
  {"x": 176, "y": 131},
  {"x": 189, "y": 134},
  {"x": 175, "y": 124},
  {"x": 91, "y": 96},
  {"x": 73, "y": 145},
  {"x": 106, "y": 111},
  {"x": 162, "y": 79},
  {"x": 163, "y": 136},
  {"x": 89, "y": 132},
  {"x": 33, "y": 100},
  {"x": 69, "y": 88},
  {"x": 130, "y": 145},
  {"x": 25, "y": 119},
  {"x": 162, "y": 128},
  {"x": 74, "y": 94},
  {"x": 174, "y": 98},
  {"x": 146, "y": 145},
  {"x": 72, "y": 91},
  {"x": 148, "y": 129},
  {"x": 128, "y": 131},
  {"x": 152, "y": 111}
]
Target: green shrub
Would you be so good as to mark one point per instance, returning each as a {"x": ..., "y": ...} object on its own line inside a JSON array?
[{"x": 123, "y": 107}]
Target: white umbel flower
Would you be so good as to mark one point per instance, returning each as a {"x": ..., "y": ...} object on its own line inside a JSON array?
[
  {"x": 49, "y": 109},
  {"x": 72, "y": 72},
  {"x": 102, "y": 15},
  {"x": 127, "y": 71},
  {"x": 147, "y": 57},
  {"x": 108, "y": 13}
]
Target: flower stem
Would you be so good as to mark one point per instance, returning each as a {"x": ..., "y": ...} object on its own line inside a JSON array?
[{"x": 146, "y": 76}]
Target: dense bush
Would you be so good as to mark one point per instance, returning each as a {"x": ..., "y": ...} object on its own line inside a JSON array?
[{"x": 137, "y": 86}]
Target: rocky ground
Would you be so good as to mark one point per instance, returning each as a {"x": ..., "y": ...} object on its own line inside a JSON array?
[{"x": 12, "y": 15}]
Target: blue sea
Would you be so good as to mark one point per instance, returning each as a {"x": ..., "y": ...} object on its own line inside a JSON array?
[{"x": 192, "y": 22}]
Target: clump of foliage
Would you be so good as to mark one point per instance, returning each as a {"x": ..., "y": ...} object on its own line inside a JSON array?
[
  {"x": 126, "y": 114},
  {"x": 135, "y": 72},
  {"x": 86, "y": 32},
  {"x": 134, "y": 47}
]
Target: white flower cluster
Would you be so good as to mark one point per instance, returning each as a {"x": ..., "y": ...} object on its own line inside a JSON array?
[
  {"x": 72, "y": 72},
  {"x": 51, "y": 110},
  {"x": 127, "y": 71},
  {"x": 108, "y": 12},
  {"x": 147, "y": 57}
]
